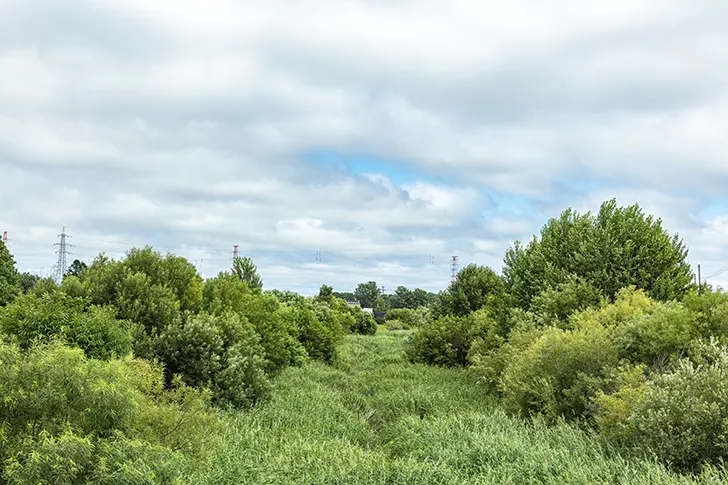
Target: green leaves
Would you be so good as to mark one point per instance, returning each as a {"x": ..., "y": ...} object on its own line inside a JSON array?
[
  {"x": 617, "y": 248},
  {"x": 246, "y": 270},
  {"x": 9, "y": 278}
]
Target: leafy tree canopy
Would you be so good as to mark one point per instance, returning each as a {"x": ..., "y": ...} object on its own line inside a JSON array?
[
  {"x": 9, "y": 278},
  {"x": 76, "y": 268},
  {"x": 247, "y": 271},
  {"x": 614, "y": 249},
  {"x": 367, "y": 293},
  {"x": 475, "y": 287}
]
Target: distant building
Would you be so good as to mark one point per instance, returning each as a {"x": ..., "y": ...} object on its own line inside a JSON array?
[{"x": 353, "y": 303}]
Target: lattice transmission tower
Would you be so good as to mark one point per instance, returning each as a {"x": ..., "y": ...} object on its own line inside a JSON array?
[
  {"x": 454, "y": 268},
  {"x": 63, "y": 253}
]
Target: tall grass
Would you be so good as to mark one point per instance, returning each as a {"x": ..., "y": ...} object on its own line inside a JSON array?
[{"x": 374, "y": 418}]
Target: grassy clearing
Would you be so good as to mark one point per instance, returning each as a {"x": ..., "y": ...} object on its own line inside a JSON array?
[{"x": 374, "y": 418}]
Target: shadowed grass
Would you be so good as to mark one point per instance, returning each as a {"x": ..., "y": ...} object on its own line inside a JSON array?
[{"x": 374, "y": 418}]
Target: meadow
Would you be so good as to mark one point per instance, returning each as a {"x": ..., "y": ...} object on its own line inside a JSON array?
[{"x": 372, "y": 417}]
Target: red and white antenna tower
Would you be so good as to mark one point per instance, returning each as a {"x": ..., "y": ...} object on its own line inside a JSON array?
[
  {"x": 5, "y": 237},
  {"x": 235, "y": 255}
]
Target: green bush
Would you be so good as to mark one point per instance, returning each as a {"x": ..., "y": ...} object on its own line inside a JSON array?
[
  {"x": 173, "y": 272},
  {"x": 447, "y": 340},
  {"x": 278, "y": 336},
  {"x": 410, "y": 318},
  {"x": 59, "y": 316},
  {"x": 560, "y": 372},
  {"x": 490, "y": 354},
  {"x": 224, "y": 292},
  {"x": 711, "y": 308},
  {"x": 9, "y": 277},
  {"x": 319, "y": 328},
  {"x": 73, "y": 287},
  {"x": 554, "y": 306},
  {"x": 65, "y": 412},
  {"x": 654, "y": 338},
  {"x": 220, "y": 353},
  {"x": 364, "y": 324},
  {"x": 70, "y": 459},
  {"x": 682, "y": 416},
  {"x": 628, "y": 304}
]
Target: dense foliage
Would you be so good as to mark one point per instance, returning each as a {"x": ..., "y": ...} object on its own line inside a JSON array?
[
  {"x": 596, "y": 321},
  {"x": 9, "y": 278},
  {"x": 119, "y": 373},
  {"x": 614, "y": 249},
  {"x": 81, "y": 400}
]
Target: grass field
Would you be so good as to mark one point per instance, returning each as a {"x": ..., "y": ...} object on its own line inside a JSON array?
[{"x": 374, "y": 418}]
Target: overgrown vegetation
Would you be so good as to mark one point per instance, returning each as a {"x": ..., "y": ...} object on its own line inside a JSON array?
[
  {"x": 591, "y": 359},
  {"x": 374, "y": 418},
  {"x": 118, "y": 374},
  {"x": 596, "y": 322}
]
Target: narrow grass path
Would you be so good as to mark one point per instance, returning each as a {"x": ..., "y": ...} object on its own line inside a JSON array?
[{"x": 374, "y": 418}]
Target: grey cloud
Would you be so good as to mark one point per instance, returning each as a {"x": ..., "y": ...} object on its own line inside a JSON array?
[{"x": 185, "y": 126}]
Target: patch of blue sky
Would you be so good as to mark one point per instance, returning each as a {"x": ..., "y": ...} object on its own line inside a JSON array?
[
  {"x": 400, "y": 172},
  {"x": 511, "y": 205},
  {"x": 714, "y": 207}
]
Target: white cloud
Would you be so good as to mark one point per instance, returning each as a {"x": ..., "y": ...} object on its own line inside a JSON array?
[{"x": 185, "y": 125}]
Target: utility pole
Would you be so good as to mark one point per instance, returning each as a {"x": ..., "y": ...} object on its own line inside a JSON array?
[
  {"x": 62, "y": 263},
  {"x": 700, "y": 282}
]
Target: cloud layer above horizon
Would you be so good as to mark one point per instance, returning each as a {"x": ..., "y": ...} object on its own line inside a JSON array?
[{"x": 380, "y": 134}]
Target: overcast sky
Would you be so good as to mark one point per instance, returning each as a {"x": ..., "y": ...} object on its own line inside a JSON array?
[{"x": 376, "y": 132}]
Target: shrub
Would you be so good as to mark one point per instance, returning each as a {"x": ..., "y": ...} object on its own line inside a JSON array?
[
  {"x": 364, "y": 323},
  {"x": 474, "y": 287},
  {"x": 616, "y": 248},
  {"x": 615, "y": 409},
  {"x": 653, "y": 338},
  {"x": 319, "y": 328},
  {"x": 711, "y": 308},
  {"x": 410, "y": 318},
  {"x": 173, "y": 272},
  {"x": 71, "y": 459},
  {"x": 490, "y": 354},
  {"x": 221, "y": 353},
  {"x": 73, "y": 287},
  {"x": 63, "y": 413},
  {"x": 56, "y": 315},
  {"x": 554, "y": 306},
  {"x": 447, "y": 340},
  {"x": 278, "y": 336},
  {"x": 560, "y": 372},
  {"x": 9, "y": 277},
  {"x": 628, "y": 304},
  {"x": 682, "y": 415},
  {"x": 224, "y": 292}
]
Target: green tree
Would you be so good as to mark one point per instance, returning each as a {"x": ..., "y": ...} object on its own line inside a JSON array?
[
  {"x": 76, "y": 268},
  {"x": 345, "y": 295},
  {"x": 614, "y": 249},
  {"x": 28, "y": 281},
  {"x": 246, "y": 270},
  {"x": 9, "y": 278},
  {"x": 367, "y": 294},
  {"x": 402, "y": 298},
  {"x": 325, "y": 294},
  {"x": 475, "y": 287}
]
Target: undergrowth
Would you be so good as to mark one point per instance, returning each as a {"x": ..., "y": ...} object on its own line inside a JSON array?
[{"x": 371, "y": 417}]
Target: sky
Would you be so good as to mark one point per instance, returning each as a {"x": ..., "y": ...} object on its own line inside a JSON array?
[{"x": 381, "y": 135}]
